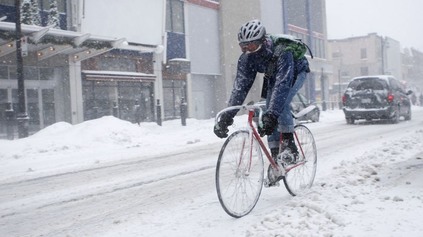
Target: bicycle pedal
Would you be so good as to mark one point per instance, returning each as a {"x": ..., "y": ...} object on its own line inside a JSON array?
[{"x": 268, "y": 184}]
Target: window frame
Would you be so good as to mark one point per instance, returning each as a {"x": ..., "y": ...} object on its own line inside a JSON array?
[{"x": 175, "y": 22}]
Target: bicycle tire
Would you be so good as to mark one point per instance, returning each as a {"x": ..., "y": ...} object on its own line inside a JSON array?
[
  {"x": 300, "y": 178},
  {"x": 239, "y": 182}
]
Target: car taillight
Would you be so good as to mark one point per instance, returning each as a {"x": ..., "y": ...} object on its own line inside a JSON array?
[
  {"x": 344, "y": 99},
  {"x": 390, "y": 97}
]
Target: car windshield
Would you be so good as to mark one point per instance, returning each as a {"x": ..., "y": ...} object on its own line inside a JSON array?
[{"x": 368, "y": 83}]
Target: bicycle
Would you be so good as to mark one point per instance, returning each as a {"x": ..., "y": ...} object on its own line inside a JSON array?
[{"x": 240, "y": 166}]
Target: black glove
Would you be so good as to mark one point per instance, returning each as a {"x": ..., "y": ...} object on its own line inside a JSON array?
[
  {"x": 221, "y": 128},
  {"x": 270, "y": 121}
]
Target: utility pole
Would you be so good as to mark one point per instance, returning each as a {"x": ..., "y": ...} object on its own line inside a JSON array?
[
  {"x": 22, "y": 116},
  {"x": 339, "y": 89},
  {"x": 383, "y": 54}
]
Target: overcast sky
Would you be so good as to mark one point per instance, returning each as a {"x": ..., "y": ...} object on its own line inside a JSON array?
[{"x": 398, "y": 19}]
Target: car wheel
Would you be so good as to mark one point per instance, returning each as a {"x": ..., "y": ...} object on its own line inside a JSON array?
[
  {"x": 350, "y": 121},
  {"x": 408, "y": 115},
  {"x": 395, "y": 118},
  {"x": 315, "y": 117}
]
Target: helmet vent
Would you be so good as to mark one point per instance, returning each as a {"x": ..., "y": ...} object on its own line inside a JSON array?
[{"x": 251, "y": 31}]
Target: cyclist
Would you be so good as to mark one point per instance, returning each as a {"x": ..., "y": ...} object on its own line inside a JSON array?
[{"x": 284, "y": 76}]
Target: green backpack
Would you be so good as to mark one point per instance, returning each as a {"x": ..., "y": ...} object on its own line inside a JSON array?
[
  {"x": 288, "y": 42},
  {"x": 283, "y": 43}
]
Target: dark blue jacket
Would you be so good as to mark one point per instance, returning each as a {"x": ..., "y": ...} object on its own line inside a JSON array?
[{"x": 279, "y": 83}]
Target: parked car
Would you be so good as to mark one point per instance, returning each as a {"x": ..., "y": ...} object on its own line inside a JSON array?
[
  {"x": 300, "y": 105},
  {"x": 376, "y": 97}
]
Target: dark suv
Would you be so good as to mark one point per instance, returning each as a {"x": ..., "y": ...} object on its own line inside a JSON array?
[{"x": 376, "y": 97}]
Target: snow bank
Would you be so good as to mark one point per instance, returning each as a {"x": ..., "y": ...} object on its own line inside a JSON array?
[{"x": 359, "y": 189}]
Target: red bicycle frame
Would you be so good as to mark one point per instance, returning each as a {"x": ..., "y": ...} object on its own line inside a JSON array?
[{"x": 255, "y": 134}]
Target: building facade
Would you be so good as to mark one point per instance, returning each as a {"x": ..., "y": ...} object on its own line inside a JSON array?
[
  {"x": 74, "y": 76},
  {"x": 412, "y": 70},
  {"x": 94, "y": 65}
]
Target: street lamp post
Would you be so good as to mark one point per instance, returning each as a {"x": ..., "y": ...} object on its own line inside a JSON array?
[{"x": 22, "y": 116}]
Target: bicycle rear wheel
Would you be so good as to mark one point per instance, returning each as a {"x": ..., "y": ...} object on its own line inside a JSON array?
[
  {"x": 239, "y": 174},
  {"x": 300, "y": 178}
]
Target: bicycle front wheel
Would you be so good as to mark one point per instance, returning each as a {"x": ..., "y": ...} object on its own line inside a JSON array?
[
  {"x": 239, "y": 174},
  {"x": 300, "y": 178}
]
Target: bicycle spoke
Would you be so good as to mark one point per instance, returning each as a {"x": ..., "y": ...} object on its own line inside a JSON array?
[
  {"x": 239, "y": 174},
  {"x": 301, "y": 177},
  {"x": 240, "y": 168}
]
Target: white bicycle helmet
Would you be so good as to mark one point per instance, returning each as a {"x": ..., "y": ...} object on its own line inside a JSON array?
[{"x": 251, "y": 31}]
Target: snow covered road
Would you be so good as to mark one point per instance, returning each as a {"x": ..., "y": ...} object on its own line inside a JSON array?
[{"x": 369, "y": 183}]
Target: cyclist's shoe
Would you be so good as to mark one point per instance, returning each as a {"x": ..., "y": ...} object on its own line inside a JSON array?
[
  {"x": 288, "y": 156},
  {"x": 273, "y": 177}
]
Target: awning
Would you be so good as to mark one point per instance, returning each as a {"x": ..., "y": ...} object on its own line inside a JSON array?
[
  {"x": 47, "y": 42},
  {"x": 117, "y": 76}
]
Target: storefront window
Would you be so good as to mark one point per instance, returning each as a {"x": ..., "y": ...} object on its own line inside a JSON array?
[
  {"x": 173, "y": 92},
  {"x": 30, "y": 73},
  {"x": 175, "y": 16},
  {"x": 49, "y": 114},
  {"x": 46, "y": 73},
  {"x": 117, "y": 64},
  {"x": 45, "y": 5},
  {"x": 33, "y": 109},
  {"x": 12, "y": 72},
  {"x": 3, "y": 107},
  {"x": 3, "y": 72},
  {"x": 100, "y": 98}
]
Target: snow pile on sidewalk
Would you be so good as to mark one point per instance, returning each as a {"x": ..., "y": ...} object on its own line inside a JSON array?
[{"x": 63, "y": 147}]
